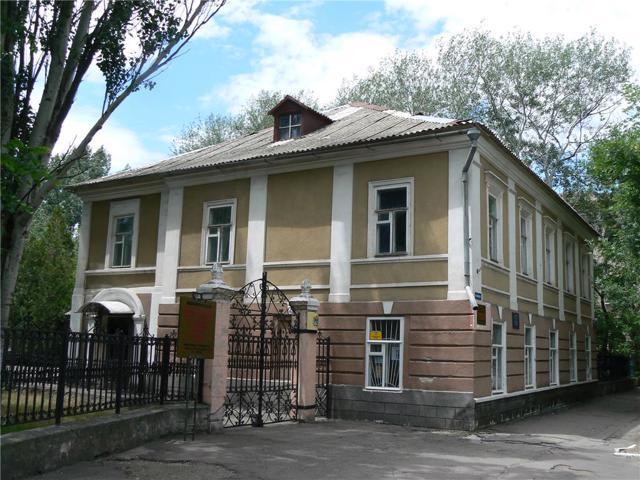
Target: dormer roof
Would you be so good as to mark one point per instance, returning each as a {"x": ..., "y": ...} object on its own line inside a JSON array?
[{"x": 290, "y": 110}]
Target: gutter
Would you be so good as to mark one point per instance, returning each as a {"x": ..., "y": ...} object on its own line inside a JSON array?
[{"x": 473, "y": 134}]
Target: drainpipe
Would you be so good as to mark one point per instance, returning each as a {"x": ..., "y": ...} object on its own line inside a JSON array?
[{"x": 473, "y": 134}]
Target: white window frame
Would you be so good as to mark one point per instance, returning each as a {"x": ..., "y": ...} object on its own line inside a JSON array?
[
  {"x": 550, "y": 255},
  {"x": 503, "y": 346},
  {"x": 369, "y": 342},
  {"x": 573, "y": 358},
  {"x": 569, "y": 265},
  {"x": 554, "y": 363},
  {"x": 376, "y": 186},
  {"x": 585, "y": 275},
  {"x": 232, "y": 202},
  {"x": 530, "y": 357},
  {"x": 526, "y": 261},
  {"x": 587, "y": 353},
  {"x": 122, "y": 208},
  {"x": 496, "y": 190}
]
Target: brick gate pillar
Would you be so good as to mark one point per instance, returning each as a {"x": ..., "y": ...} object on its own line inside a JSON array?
[
  {"x": 307, "y": 308},
  {"x": 214, "y": 386}
]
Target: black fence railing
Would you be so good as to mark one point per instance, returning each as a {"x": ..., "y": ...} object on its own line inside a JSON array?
[
  {"x": 52, "y": 374},
  {"x": 613, "y": 366},
  {"x": 323, "y": 363}
]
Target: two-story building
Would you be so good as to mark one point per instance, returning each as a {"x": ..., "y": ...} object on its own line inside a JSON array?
[{"x": 455, "y": 285}]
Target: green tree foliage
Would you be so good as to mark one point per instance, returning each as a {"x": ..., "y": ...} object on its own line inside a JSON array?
[
  {"x": 546, "y": 98},
  {"x": 46, "y": 279},
  {"x": 615, "y": 166},
  {"x": 46, "y": 49},
  {"x": 217, "y": 128}
]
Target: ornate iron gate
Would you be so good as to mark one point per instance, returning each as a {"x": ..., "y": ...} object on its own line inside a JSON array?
[
  {"x": 263, "y": 357},
  {"x": 323, "y": 369}
]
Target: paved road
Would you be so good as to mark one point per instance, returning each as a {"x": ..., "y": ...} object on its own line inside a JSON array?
[{"x": 574, "y": 443}]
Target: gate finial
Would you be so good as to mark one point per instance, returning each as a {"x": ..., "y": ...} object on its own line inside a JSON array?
[
  {"x": 217, "y": 274},
  {"x": 305, "y": 288}
]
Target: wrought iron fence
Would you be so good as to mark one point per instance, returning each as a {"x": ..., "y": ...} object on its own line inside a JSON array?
[
  {"x": 323, "y": 359},
  {"x": 52, "y": 374}
]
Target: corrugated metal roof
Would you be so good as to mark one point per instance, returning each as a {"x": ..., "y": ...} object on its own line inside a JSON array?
[{"x": 352, "y": 124}]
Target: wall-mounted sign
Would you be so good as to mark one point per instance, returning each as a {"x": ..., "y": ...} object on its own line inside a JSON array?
[
  {"x": 196, "y": 328},
  {"x": 515, "y": 320},
  {"x": 313, "y": 321},
  {"x": 478, "y": 296},
  {"x": 375, "y": 335},
  {"x": 481, "y": 315}
]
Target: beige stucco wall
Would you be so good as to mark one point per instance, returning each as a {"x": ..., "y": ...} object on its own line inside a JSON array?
[
  {"x": 487, "y": 170},
  {"x": 233, "y": 278},
  {"x": 399, "y": 272},
  {"x": 398, "y": 293},
  {"x": 192, "y": 215},
  {"x": 120, "y": 280},
  {"x": 430, "y": 173},
  {"x": 299, "y": 215},
  {"x": 318, "y": 275},
  {"x": 148, "y": 235},
  {"x": 527, "y": 289},
  {"x": 495, "y": 278},
  {"x": 98, "y": 234}
]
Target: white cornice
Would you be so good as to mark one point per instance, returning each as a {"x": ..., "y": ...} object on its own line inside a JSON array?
[{"x": 120, "y": 271}]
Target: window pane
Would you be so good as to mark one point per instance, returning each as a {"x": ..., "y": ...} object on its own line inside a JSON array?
[
  {"x": 492, "y": 207},
  {"x": 126, "y": 250},
  {"x": 117, "y": 254},
  {"x": 212, "y": 249},
  {"x": 383, "y": 217},
  {"x": 497, "y": 335},
  {"x": 224, "y": 247},
  {"x": 124, "y": 224},
  {"x": 392, "y": 198},
  {"x": 384, "y": 238},
  {"x": 375, "y": 371},
  {"x": 220, "y": 215},
  {"x": 528, "y": 336},
  {"x": 390, "y": 328},
  {"x": 284, "y": 133},
  {"x": 393, "y": 365},
  {"x": 400, "y": 231},
  {"x": 375, "y": 348},
  {"x": 284, "y": 120},
  {"x": 296, "y": 119}
]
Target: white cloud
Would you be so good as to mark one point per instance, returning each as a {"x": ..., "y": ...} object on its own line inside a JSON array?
[
  {"x": 123, "y": 144},
  {"x": 291, "y": 57},
  {"x": 572, "y": 18}
]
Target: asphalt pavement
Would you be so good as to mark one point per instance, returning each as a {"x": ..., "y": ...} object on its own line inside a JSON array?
[{"x": 579, "y": 442}]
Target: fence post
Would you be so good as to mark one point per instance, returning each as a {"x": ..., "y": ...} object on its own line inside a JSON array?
[
  {"x": 164, "y": 368},
  {"x": 120, "y": 340},
  {"x": 61, "y": 375}
]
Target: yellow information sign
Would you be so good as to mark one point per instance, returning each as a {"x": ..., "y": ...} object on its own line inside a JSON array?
[
  {"x": 196, "y": 328},
  {"x": 375, "y": 335}
]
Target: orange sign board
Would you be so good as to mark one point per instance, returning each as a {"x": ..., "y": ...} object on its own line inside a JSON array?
[{"x": 196, "y": 328}]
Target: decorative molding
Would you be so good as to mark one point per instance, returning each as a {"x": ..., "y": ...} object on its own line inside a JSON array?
[
  {"x": 123, "y": 208},
  {"x": 120, "y": 271},
  {"x": 297, "y": 263},
  {"x": 233, "y": 203},
  {"x": 399, "y": 285},
  {"x": 400, "y": 259},
  {"x": 207, "y": 268}
]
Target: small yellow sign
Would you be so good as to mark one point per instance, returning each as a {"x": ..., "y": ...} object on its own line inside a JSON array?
[
  {"x": 196, "y": 328},
  {"x": 313, "y": 321},
  {"x": 375, "y": 335}
]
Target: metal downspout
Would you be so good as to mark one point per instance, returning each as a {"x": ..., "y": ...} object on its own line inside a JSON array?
[{"x": 473, "y": 134}]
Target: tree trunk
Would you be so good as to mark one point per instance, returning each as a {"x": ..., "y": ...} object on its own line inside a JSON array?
[{"x": 11, "y": 264}]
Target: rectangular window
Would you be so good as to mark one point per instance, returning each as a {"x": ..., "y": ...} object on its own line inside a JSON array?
[
  {"x": 493, "y": 228},
  {"x": 529, "y": 357},
  {"x": 587, "y": 353},
  {"x": 122, "y": 241},
  {"x": 218, "y": 231},
  {"x": 384, "y": 353},
  {"x": 290, "y": 125},
  {"x": 573, "y": 358},
  {"x": 554, "y": 368},
  {"x": 569, "y": 266},
  {"x": 585, "y": 276},
  {"x": 526, "y": 245},
  {"x": 549, "y": 255},
  {"x": 390, "y": 218},
  {"x": 498, "y": 373},
  {"x": 122, "y": 234}
]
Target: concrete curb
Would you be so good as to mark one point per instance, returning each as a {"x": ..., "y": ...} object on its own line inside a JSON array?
[{"x": 42, "y": 449}]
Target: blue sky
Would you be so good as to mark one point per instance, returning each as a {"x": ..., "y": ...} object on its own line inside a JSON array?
[{"x": 311, "y": 45}]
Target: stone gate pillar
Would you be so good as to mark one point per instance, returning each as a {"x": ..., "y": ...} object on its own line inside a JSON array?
[
  {"x": 307, "y": 308},
  {"x": 214, "y": 386}
]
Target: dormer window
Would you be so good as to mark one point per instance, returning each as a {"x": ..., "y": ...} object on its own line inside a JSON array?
[{"x": 290, "y": 125}]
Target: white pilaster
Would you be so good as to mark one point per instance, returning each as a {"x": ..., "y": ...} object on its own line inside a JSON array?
[
  {"x": 455, "y": 262},
  {"x": 513, "y": 268},
  {"x": 560, "y": 269},
  {"x": 156, "y": 296},
  {"x": 77, "y": 299},
  {"x": 578, "y": 279},
  {"x": 539, "y": 258},
  {"x": 593, "y": 292},
  {"x": 256, "y": 231},
  {"x": 475, "y": 219},
  {"x": 341, "y": 224},
  {"x": 171, "y": 254}
]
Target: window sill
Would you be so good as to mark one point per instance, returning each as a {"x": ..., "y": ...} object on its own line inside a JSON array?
[
  {"x": 120, "y": 270},
  {"x": 526, "y": 278},
  {"x": 382, "y": 389},
  {"x": 391, "y": 255}
]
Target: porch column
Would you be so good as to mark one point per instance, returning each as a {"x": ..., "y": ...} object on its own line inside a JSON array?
[
  {"x": 307, "y": 308},
  {"x": 214, "y": 386},
  {"x": 171, "y": 255},
  {"x": 77, "y": 300}
]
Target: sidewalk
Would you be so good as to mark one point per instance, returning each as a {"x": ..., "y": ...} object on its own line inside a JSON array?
[{"x": 578, "y": 442}]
